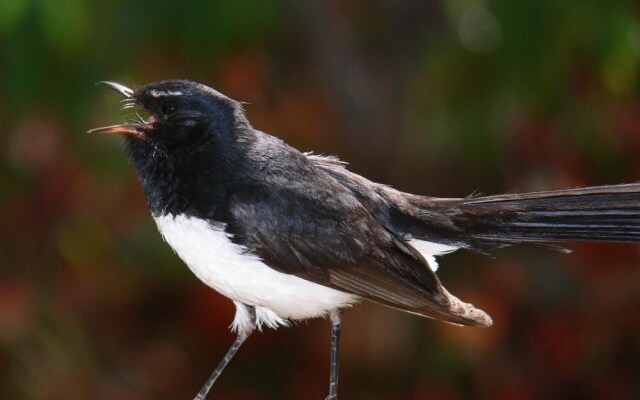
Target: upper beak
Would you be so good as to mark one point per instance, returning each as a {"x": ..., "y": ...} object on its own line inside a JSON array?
[
  {"x": 123, "y": 90},
  {"x": 125, "y": 129}
]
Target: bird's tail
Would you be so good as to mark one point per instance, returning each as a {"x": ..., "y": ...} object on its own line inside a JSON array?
[
  {"x": 594, "y": 214},
  {"x": 591, "y": 214}
]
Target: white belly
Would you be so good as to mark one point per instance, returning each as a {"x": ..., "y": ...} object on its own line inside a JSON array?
[{"x": 243, "y": 277}]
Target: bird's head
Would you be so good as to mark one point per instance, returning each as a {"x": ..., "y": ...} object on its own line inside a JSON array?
[
  {"x": 185, "y": 140},
  {"x": 173, "y": 114}
]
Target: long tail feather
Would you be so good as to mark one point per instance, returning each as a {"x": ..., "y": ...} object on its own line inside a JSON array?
[{"x": 592, "y": 214}]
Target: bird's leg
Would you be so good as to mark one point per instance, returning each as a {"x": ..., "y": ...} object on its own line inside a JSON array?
[
  {"x": 335, "y": 354},
  {"x": 242, "y": 336}
]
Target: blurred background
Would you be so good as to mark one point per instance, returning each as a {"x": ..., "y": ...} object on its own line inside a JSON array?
[{"x": 443, "y": 98}]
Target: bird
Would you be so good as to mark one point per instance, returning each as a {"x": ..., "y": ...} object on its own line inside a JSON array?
[{"x": 289, "y": 235}]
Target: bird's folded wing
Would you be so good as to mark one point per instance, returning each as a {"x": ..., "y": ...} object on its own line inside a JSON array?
[{"x": 331, "y": 239}]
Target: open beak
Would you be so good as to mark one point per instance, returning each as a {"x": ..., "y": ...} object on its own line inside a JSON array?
[{"x": 123, "y": 129}]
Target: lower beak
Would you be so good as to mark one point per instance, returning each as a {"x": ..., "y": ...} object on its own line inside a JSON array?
[{"x": 129, "y": 130}]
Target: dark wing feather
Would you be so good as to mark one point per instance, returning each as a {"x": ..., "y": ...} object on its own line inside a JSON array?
[{"x": 318, "y": 230}]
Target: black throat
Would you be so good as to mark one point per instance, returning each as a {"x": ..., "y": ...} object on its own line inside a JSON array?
[{"x": 193, "y": 179}]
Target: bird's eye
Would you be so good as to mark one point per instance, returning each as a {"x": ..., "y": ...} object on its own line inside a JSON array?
[{"x": 169, "y": 106}]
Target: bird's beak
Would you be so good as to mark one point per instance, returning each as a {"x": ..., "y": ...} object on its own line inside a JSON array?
[{"x": 123, "y": 129}]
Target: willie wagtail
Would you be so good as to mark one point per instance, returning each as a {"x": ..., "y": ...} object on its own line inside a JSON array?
[{"x": 289, "y": 235}]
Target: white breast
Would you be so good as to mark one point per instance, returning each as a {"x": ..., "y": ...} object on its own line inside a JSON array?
[{"x": 232, "y": 271}]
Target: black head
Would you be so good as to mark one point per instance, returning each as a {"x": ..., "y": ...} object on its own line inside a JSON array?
[
  {"x": 185, "y": 134},
  {"x": 178, "y": 112}
]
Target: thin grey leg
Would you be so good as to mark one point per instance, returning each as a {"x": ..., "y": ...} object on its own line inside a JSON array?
[
  {"x": 230, "y": 353},
  {"x": 335, "y": 355}
]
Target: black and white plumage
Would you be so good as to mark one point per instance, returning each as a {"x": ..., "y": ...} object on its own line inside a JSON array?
[{"x": 289, "y": 235}]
